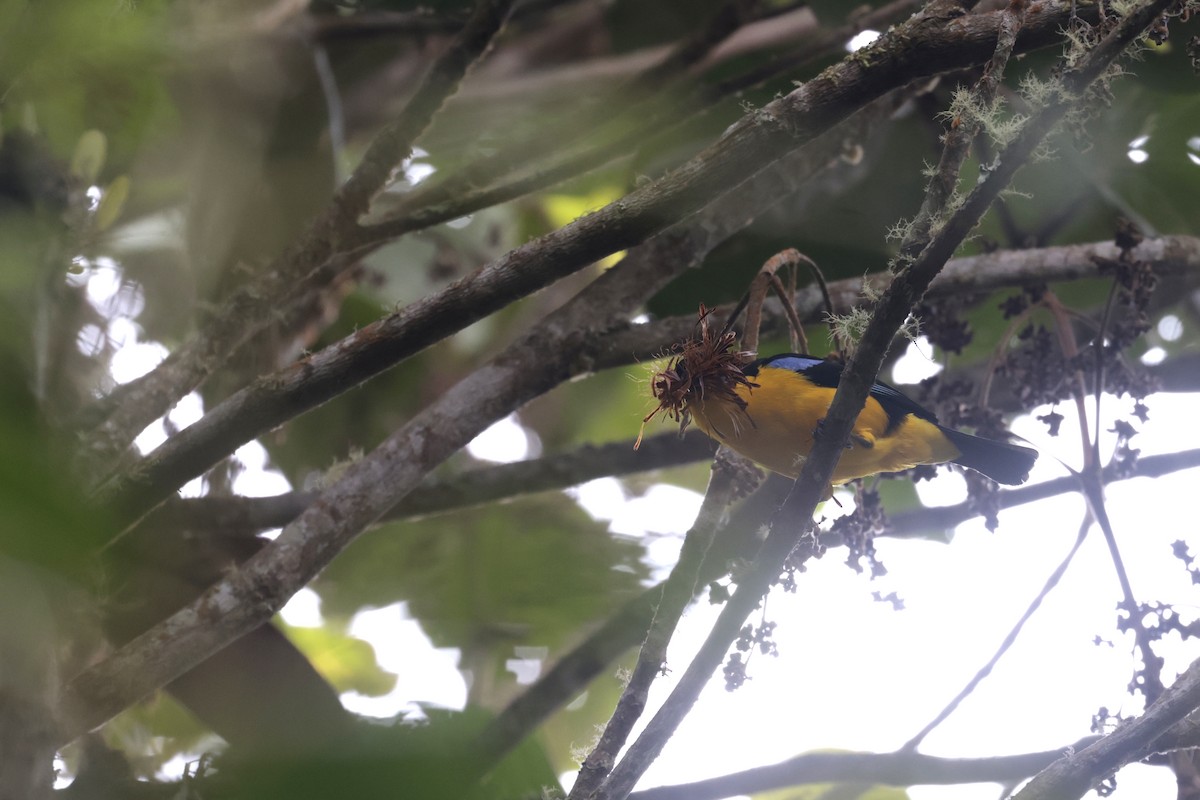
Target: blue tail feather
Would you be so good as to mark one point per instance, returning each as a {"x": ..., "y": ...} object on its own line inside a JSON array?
[{"x": 1004, "y": 463}]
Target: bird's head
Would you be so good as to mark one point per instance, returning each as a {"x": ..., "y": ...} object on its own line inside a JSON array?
[{"x": 703, "y": 367}]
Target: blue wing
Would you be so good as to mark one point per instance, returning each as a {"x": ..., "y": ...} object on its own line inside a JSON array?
[{"x": 829, "y": 374}]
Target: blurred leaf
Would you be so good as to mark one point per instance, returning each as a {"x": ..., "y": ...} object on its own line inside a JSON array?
[
  {"x": 564, "y": 208},
  {"x": 45, "y": 517},
  {"x": 90, "y": 152},
  {"x": 429, "y": 759},
  {"x": 29, "y": 120},
  {"x": 346, "y": 662},
  {"x": 91, "y": 64},
  {"x": 832, "y": 791},
  {"x": 155, "y": 731},
  {"x": 112, "y": 202},
  {"x": 603, "y": 407},
  {"x": 530, "y": 572}
]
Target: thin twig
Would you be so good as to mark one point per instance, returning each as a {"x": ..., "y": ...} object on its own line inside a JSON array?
[
  {"x": 1070, "y": 353},
  {"x": 998, "y": 351},
  {"x": 827, "y": 301},
  {"x": 1009, "y": 640},
  {"x": 1098, "y": 350},
  {"x": 892, "y": 769},
  {"x": 333, "y": 108},
  {"x": 924, "y": 521},
  {"x": 572, "y": 673},
  {"x": 957, "y": 142},
  {"x": 797, "y": 336},
  {"x": 1093, "y": 493},
  {"x": 677, "y": 592}
]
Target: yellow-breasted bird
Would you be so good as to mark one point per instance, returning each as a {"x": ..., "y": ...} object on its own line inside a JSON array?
[
  {"x": 771, "y": 416},
  {"x": 769, "y": 410}
]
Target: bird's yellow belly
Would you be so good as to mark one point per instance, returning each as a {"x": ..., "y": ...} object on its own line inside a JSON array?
[{"x": 776, "y": 429}]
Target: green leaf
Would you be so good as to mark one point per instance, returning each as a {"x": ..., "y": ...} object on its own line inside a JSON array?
[
  {"x": 111, "y": 202},
  {"x": 90, "y": 152},
  {"x": 346, "y": 662},
  {"x": 486, "y": 580}
]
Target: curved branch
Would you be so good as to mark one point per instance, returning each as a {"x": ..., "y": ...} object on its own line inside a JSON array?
[{"x": 892, "y": 769}]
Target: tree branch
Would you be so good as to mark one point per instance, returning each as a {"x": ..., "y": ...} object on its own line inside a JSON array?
[
  {"x": 677, "y": 592},
  {"x": 921, "y": 522},
  {"x": 1074, "y": 774},
  {"x": 892, "y": 769},
  {"x": 901, "y": 768},
  {"x": 571, "y": 674},
  {"x": 1170, "y": 255}
]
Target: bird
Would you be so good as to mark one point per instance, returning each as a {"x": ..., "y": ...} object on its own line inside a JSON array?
[{"x": 772, "y": 412}]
